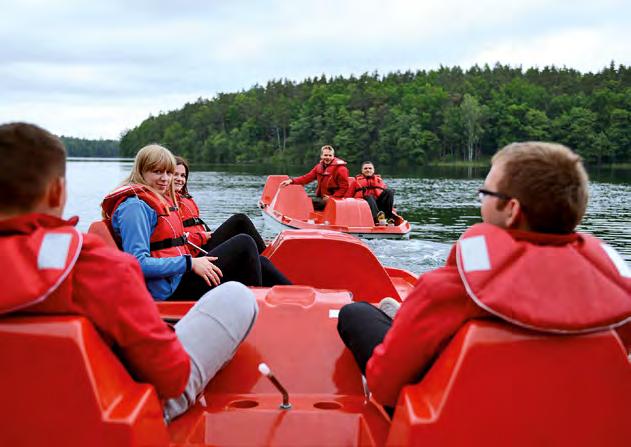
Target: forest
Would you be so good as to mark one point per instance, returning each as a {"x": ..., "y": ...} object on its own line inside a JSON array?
[
  {"x": 79, "y": 147},
  {"x": 402, "y": 118}
]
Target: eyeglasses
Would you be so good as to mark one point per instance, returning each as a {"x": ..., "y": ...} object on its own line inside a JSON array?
[{"x": 485, "y": 192}]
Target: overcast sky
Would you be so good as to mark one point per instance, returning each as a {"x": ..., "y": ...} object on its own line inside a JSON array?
[{"x": 92, "y": 69}]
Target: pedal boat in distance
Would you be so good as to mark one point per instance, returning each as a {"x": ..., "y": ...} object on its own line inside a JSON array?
[{"x": 291, "y": 208}]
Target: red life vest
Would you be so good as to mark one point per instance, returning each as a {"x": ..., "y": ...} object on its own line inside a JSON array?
[
  {"x": 39, "y": 260},
  {"x": 554, "y": 283},
  {"x": 189, "y": 211},
  {"x": 327, "y": 178},
  {"x": 368, "y": 186},
  {"x": 167, "y": 239},
  {"x": 193, "y": 224}
]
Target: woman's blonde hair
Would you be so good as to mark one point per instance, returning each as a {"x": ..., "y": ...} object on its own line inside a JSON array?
[{"x": 149, "y": 158}]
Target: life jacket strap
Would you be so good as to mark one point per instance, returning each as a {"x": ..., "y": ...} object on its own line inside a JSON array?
[
  {"x": 167, "y": 243},
  {"x": 191, "y": 222}
]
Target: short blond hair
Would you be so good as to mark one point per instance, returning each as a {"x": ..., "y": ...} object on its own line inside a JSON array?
[
  {"x": 327, "y": 147},
  {"x": 149, "y": 158},
  {"x": 550, "y": 182}
]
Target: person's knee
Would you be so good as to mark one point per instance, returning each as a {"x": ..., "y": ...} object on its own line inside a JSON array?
[
  {"x": 240, "y": 217},
  {"x": 243, "y": 300},
  {"x": 239, "y": 297},
  {"x": 351, "y": 314},
  {"x": 246, "y": 245},
  {"x": 240, "y": 221},
  {"x": 234, "y": 305}
]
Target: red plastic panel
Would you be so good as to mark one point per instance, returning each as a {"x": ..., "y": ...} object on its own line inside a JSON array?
[
  {"x": 100, "y": 228},
  {"x": 624, "y": 332},
  {"x": 271, "y": 185},
  {"x": 497, "y": 385},
  {"x": 292, "y": 201},
  {"x": 295, "y": 334},
  {"x": 297, "y": 338},
  {"x": 348, "y": 212},
  {"x": 61, "y": 385},
  {"x": 331, "y": 260}
]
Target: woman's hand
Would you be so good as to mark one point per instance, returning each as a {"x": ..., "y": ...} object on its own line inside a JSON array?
[
  {"x": 208, "y": 234},
  {"x": 207, "y": 270},
  {"x": 285, "y": 183}
]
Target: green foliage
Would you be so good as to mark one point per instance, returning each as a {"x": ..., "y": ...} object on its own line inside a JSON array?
[
  {"x": 79, "y": 147},
  {"x": 403, "y": 118}
]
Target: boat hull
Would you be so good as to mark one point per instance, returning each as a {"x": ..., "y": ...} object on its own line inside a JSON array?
[{"x": 374, "y": 232}]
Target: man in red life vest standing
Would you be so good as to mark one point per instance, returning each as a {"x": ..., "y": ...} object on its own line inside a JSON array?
[
  {"x": 331, "y": 174},
  {"x": 525, "y": 265},
  {"x": 50, "y": 268}
]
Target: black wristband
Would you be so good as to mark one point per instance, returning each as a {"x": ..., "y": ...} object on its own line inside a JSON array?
[{"x": 189, "y": 263}]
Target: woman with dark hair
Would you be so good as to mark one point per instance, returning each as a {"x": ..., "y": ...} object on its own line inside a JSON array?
[{"x": 198, "y": 232}]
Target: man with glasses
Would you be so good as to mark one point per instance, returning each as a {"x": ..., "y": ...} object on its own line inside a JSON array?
[
  {"x": 331, "y": 174},
  {"x": 525, "y": 265}
]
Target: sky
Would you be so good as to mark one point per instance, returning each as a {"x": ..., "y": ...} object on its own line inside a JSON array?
[{"x": 93, "y": 69}]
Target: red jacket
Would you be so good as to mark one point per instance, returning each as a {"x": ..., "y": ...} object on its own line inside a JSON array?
[
  {"x": 559, "y": 283},
  {"x": 367, "y": 186},
  {"x": 332, "y": 179},
  {"x": 55, "y": 269},
  {"x": 167, "y": 239},
  {"x": 196, "y": 228}
]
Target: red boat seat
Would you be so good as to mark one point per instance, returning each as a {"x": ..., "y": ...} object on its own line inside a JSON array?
[
  {"x": 351, "y": 186},
  {"x": 348, "y": 212},
  {"x": 100, "y": 228},
  {"x": 500, "y": 385},
  {"x": 292, "y": 201},
  {"x": 271, "y": 185},
  {"x": 348, "y": 263},
  {"x": 61, "y": 385}
]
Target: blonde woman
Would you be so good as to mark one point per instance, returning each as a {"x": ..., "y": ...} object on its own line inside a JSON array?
[{"x": 143, "y": 216}]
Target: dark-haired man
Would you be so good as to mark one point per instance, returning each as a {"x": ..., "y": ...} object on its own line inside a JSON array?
[
  {"x": 370, "y": 186},
  {"x": 51, "y": 268},
  {"x": 331, "y": 174},
  {"x": 525, "y": 265}
]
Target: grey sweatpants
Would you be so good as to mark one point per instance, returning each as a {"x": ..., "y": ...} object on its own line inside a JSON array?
[{"x": 211, "y": 332}]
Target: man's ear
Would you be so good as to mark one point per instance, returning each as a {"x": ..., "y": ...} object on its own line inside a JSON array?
[
  {"x": 515, "y": 217},
  {"x": 55, "y": 193}
]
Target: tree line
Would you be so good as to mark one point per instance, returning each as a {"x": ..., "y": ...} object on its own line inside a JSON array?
[
  {"x": 404, "y": 117},
  {"x": 80, "y": 147}
]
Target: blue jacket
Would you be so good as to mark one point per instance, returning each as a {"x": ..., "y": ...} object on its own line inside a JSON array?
[{"x": 134, "y": 221}]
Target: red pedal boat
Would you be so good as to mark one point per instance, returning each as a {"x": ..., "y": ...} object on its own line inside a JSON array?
[
  {"x": 291, "y": 208},
  {"x": 492, "y": 385}
]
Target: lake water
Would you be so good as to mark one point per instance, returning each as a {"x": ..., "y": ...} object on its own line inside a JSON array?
[{"x": 440, "y": 203}]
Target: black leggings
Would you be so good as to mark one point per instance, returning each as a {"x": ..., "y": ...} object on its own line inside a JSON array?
[
  {"x": 239, "y": 260},
  {"x": 318, "y": 203},
  {"x": 234, "y": 225},
  {"x": 384, "y": 203},
  {"x": 362, "y": 327}
]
